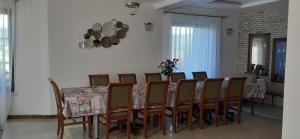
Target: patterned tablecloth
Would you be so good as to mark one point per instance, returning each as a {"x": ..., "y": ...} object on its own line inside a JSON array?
[{"x": 83, "y": 101}]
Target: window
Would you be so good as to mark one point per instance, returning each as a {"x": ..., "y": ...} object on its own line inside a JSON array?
[
  {"x": 196, "y": 48},
  {"x": 5, "y": 45}
]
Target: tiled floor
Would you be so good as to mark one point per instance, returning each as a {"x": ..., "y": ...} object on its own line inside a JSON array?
[{"x": 252, "y": 127}]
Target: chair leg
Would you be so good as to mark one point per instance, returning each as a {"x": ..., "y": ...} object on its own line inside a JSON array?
[
  {"x": 145, "y": 124},
  {"x": 252, "y": 105},
  {"x": 107, "y": 127},
  {"x": 163, "y": 123},
  {"x": 58, "y": 124},
  {"x": 90, "y": 124},
  {"x": 61, "y": 128},
  {"x": 225, "y": 114},
  {"x": 174, "y": 121},
  {"x": 216, "y": 115},
  {"x": 128, "y": 128},
  {"x": 83, "y": 123},
  {"x": 201, "y": 118},
  {"x": 190, "y": 118},
  {"x": 239, "y": 112}
]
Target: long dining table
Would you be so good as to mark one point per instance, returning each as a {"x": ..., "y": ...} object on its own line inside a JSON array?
[{"x": 91, "y": 101}]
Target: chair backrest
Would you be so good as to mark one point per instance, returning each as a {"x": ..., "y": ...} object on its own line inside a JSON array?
[
  {"x": 212, "y": 89},
  {"x": 176, "y": 76},
  {"x": 235, "y": 87},
  {"x": 200, "y": 76},
  {"x": 127, "y": 78},
  {"x": 152, "y": 77},
  {"x": 99, "y": 80},
  {"x": 119, "y": 97},
  {"x": 251, "y": 77},
  {"x": 156, "y": 93},
  {"x": 185, "y": 90},
  {"x": 58, "y": 98}
]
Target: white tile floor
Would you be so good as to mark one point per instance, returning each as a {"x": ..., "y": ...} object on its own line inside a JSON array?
[{"x": 252, "y": 127}]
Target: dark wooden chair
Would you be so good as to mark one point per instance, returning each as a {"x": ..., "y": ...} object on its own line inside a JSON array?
[
  {"x": 251, "y": 80},
  {"x": 61, "y": 118},
  {"x": 233, "y": 96},
  {"x": 199, "y": 76},
  {"x": 127, "y": 78},
  {"x": 155, "y": 103},
  {"x": 183, "y": 103},
  {"x": 176, "y": 76},
  {"x": 119, "y": 106},
  {"x": 210, "y": 98},
  {"x": 152, "y": 77},
  {"x": 251, "y": 77},
  {"x": 99, "y": 80}
]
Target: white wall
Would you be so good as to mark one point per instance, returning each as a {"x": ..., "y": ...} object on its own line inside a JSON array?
[
  {"x": 229, "y": 43},
  {"x": 291, "y": 112},
  {"x": 138, "y": 52},
  {"x": 32, "y": 61},
  {"x": 48, "y": 34}
]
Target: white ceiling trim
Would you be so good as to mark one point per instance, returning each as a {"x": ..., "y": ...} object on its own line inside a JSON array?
[
  {"x": 259, "y": 2},
  {"x": 168, "y": 3}
]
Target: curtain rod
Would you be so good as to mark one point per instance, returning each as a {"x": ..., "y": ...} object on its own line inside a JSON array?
[{"x": 195, "y": 14}]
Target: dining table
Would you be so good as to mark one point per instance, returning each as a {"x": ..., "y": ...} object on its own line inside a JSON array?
[{"x": 91, "y": 101}]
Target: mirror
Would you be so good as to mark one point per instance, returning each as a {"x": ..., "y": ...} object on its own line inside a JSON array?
[
  {"x": 258, "y": 53},
  {"x": 278, "y": 62}
]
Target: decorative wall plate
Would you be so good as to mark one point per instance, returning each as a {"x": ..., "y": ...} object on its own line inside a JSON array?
[
  {"x": 86, "y": 36},
  {"x": 108, "y": 29},
  {"x": 97, "y": 43},
  {"x": 106, "y": 42},
  {"x": 114, "y": 21},
  {"x": 97, "y": 35},
  {"x": 125, "y": 27},
  {"x": 88, "y": 43},
  {"x": 97, "y": 27},
  {"x": 119, "y": 24},
  {"x": 81, "y": 45},
  {"x": 121, "y": 34},
  {"x": 115, "y": 40}
]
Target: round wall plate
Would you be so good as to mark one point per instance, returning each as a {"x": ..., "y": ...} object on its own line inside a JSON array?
[{"x": 106, "y": 42}]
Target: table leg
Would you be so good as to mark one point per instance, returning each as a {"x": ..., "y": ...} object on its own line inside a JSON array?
[{"x": 96, "y": 127}]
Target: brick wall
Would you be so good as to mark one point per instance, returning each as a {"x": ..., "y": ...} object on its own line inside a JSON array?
[{"x": 272, "y": 21}]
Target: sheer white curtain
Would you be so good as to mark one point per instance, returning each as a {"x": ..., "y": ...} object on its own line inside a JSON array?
[
  {"x": 195, "y": 40},
  {"x": 7, "y": 8}
]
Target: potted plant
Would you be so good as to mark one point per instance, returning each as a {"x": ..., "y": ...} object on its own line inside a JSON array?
[{"x": 167, "y": 67}]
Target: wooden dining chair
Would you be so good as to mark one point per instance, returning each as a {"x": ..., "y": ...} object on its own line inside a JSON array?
[
  {"x": 250, "y": 81},
  {"x": 127, "y": 78},
  {"x": 152, "y": 77},
  {"x": 199, "y": 76},
  {"x": 183, "y": 103},
  {"x": 210, "y": 98},
  {"x": 251, "y": 77},
  {"x": 176, "y": 76},
  {"x": 61, "y": 118},
  {"x": 99, "y": 80},
  {"x": 118, "y": 107},
  {"x": 155, "y": 103},
  {"x": 233, "y": 96}
]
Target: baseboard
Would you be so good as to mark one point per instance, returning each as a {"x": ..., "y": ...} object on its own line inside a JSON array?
[{"x": 31, "y": 116}]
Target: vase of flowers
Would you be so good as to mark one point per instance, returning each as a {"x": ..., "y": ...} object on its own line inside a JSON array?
[{"x": 167, "y": 67}]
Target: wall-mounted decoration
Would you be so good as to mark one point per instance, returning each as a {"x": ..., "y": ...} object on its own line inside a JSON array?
[
  {"x": 104, "y": 35},
  {"x": 229, "y": 31},
  {"x": 148, "y": 26},
  {"x": 133, "y": 6}
]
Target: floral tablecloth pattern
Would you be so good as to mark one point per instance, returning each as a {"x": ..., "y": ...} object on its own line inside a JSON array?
[{"x": 83, "y": 101}]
